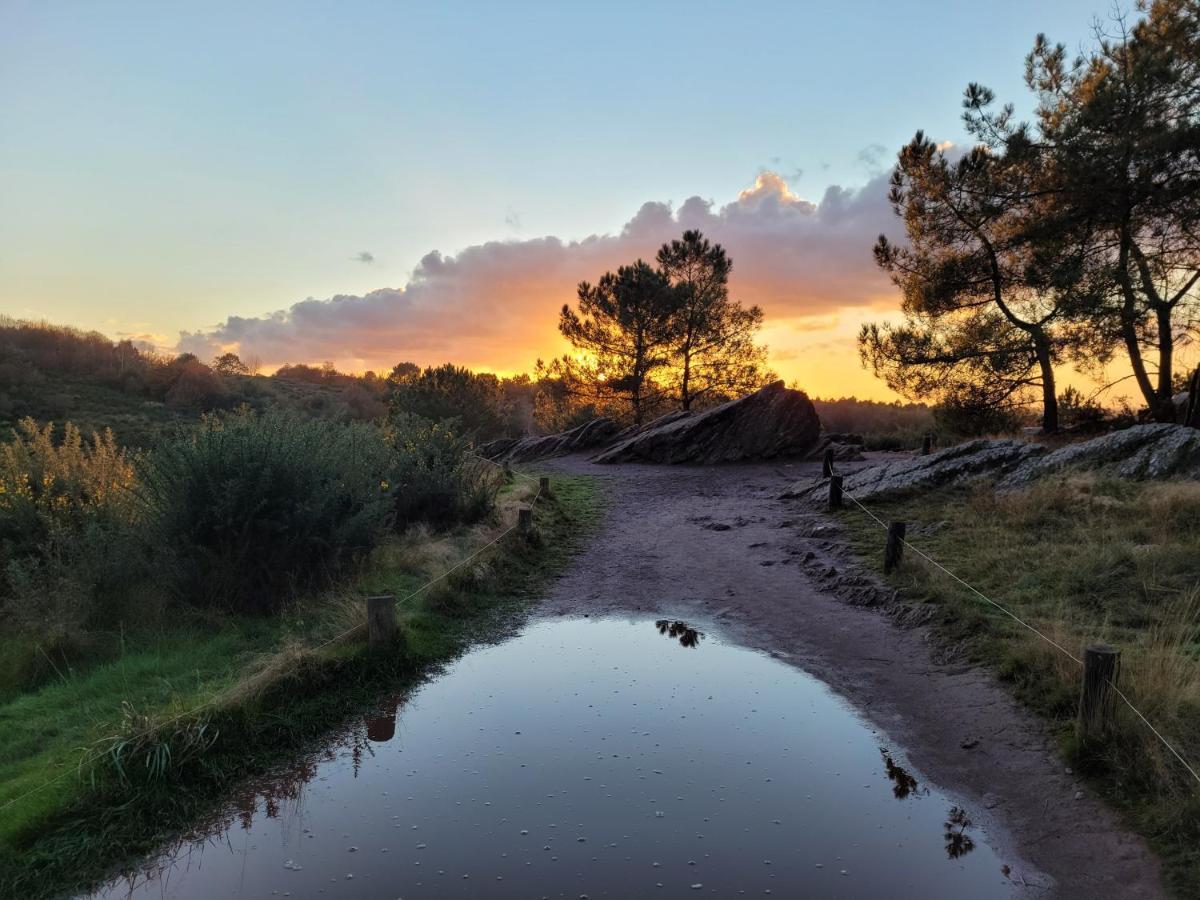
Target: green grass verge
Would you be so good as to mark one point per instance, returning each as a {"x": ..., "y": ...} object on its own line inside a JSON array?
[
  {"x": 273, "y": 696},
  {"x": 1085, "y": 560}
]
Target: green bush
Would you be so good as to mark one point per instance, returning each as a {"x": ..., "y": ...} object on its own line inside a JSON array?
[
  {"x": 435, "y": 477},
  {"x": 248, "y": 511}
]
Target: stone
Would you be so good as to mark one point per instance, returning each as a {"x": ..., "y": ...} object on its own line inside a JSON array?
[
  {"x": 1151, "y": 451},
  {"x": 588, "y": 436},
  {"x": 964, "y": 461},
  {"x": 771, "y": 423},
  {"x": 1142, "y": 452}
]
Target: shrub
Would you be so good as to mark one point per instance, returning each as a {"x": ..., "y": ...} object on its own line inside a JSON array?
[
  {"x": 475, "y": 400},
  {"x": 248, "y": 511},
  {"x": 435, "y": 478},
  {"x": 65, "y": 511}
]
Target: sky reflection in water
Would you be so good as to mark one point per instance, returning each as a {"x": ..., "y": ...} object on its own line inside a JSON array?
[{"x": 591, "y": 757}]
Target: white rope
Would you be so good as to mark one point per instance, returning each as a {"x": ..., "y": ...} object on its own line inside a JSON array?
[
  {"x": 970, "y": 587},
  {"x": 1046, "y": 638}
]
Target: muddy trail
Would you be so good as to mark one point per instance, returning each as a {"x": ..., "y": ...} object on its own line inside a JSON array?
[{"x": 714, "y": 546}]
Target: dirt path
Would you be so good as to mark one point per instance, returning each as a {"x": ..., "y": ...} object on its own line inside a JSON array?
[{"x": 715, "y": 547}]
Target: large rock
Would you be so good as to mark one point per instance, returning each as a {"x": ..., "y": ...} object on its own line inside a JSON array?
[
  {"x": 588, "y": 436},
  {"x": 1141, "y": 452},
  {"x": 909, "y": 473},
  {"x": 772, "y": 422}
]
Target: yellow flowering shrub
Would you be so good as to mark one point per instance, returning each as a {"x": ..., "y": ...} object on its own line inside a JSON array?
[{"x": 64, "y": 478}]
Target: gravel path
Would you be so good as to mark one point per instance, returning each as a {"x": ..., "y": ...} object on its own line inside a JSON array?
[{"x": 715, "y": 547}]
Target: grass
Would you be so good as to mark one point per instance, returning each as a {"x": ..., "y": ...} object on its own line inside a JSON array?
[
  {"x": 1085, "y": 560},
  {"x": 152, "y": 768}
]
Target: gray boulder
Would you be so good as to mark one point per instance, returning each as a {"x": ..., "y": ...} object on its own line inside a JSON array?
[
  {"x": 959, "y": 463},
  {"x": 1143, "y": 451},
  {"x": 775, "y": 421},
  {"x": 588, "y": 436}
]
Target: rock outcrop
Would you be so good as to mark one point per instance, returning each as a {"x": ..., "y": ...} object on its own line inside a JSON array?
[
  {"x": 773, "y": 422},
  {"x": 1141, "y": 452},
  {"x": 908, "y": 473},
  {"x": 588, "y": 436}
]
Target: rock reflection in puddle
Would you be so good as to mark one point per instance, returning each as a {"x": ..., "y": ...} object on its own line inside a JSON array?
[{"x": 579, "y": 759}]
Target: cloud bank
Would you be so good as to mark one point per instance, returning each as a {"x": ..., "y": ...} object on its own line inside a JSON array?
[{"x": 495, "y": 305}]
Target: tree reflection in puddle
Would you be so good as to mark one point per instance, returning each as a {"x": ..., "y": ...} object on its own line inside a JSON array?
[
  {"x": 686, "y": 635},
  {"x": 958, "y": 842},
  {"x": 903, "y": 783},
  {"x": 957, "y": 824}
]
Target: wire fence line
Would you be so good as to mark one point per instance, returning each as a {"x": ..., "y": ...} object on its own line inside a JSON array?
[
  {"x": 78, "y": 769},
  {"x": 1057, "y": 646}
]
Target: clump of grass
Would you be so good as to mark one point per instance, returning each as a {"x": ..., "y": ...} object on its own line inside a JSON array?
[
  {"x": 1084, "y": 559},
  {"x": 150, "y": 748}
]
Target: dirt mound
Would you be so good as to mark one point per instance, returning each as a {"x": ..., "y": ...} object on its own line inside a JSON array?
[{"x": 775, "y": 421}]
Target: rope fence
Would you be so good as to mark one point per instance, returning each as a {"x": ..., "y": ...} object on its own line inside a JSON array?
[{"x": 838, "y": 490}]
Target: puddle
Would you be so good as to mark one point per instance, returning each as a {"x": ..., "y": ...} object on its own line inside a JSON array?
[{"x": 597, "y": 758}]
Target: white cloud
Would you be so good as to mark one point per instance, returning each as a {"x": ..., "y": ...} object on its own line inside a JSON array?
[{"x": 495, "y": 305}]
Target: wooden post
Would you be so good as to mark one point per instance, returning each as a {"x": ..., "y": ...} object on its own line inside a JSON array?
[
  {"x": 525, "y": 519},
  {"x": 544, "y": 485},
  {"x": 827, "y": 463},
  {"x": 835, "y": 491},
  {"x": 893, "y": 550},
  {"x": 381, "y": 620},
  {"x": 1101, "y": 665},
  {"x": 926, "y": 444}
]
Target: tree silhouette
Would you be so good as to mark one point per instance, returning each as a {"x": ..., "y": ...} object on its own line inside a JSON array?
[
  {"x": 986, "y": 287},
  {"x": 713, "y": 352},
  {"x": 1122, "y": 127},
  {"x": 626, "y": 323}
]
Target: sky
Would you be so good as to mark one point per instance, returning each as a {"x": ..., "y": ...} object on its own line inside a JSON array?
[{"x": 365, "y": 183}]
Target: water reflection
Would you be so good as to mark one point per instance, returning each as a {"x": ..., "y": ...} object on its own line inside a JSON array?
[
  {"x": 578, "y": 759},
  {"x": 381, "y": 724},
  {"x": 687, "y": 635},
  {"x": 903, "y": 782},
  {"x": 958, "y": 842}
]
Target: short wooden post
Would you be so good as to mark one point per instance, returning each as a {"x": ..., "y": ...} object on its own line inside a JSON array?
[
  {"x": 893, "y": 550},
  {"x": 926, "y": 444},
  {"x": 835, "y": 491},
  {"x": 381, "y": 620},
  {"x": 827, "y": 463},
  {"x": 525, "y": 519},
  {"x": 1101, "y": 665},
  {"x": 544, "y": 485}
]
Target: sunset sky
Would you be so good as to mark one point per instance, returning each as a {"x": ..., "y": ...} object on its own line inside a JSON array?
[{"x": 370, "y": 182}]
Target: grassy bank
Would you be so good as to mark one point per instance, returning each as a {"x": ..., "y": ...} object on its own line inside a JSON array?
[
  {"x": 1085, "y": 560},
  {"x": 98, "y": 767}
]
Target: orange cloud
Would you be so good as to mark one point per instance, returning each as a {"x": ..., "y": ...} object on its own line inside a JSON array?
[{"x": 494, "y": 306}]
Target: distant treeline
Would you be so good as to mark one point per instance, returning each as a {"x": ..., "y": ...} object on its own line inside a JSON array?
[{"x": 53, "y": 373}]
